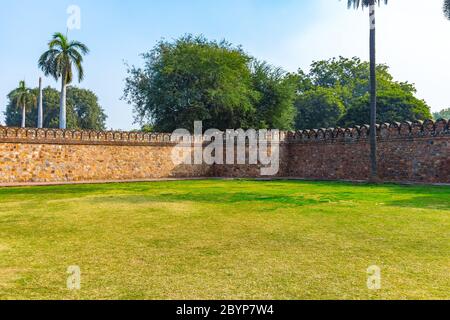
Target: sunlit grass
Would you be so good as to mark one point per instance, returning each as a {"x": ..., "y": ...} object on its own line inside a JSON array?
[{"x": 225, "y": 240}]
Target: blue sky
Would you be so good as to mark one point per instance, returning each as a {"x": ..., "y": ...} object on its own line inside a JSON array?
[{"x": 412, "y": 39}]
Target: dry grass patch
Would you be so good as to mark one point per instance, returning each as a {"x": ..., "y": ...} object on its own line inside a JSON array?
[{"x": 225, "y": 240}]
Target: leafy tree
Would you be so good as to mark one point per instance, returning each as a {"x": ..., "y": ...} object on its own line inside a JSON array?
[
  {"x": 147, "y": 128},
  {"x": 88, "y": 112},
  {"x": 194, "y": 79},
  {"x": 348, "y": 79},
  {"x": 394, "y": 105},
  {"x": 275, "y": 106},
  {"x": 83, "y": 110},
  {"x": 319, "y": 108},
  {"x": 373, "y": 80},
  {"x": 304, "y": 82},
  {"x": 22, "y": 98},
  {"x": 443, "y": 114},
  {"x": 57, "y": 62}
]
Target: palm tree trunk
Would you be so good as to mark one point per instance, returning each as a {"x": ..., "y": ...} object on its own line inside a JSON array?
[
  {"x": 40, "y": 107},
  {"x": 62, "y": 104},
  {"x": 373, "y": 98},
  {"x": 24, "y": 114}
]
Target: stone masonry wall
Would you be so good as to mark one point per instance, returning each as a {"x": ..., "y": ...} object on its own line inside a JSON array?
[
  {"x": 30, "y": 155},
  {"x": 408, "y": 152}
]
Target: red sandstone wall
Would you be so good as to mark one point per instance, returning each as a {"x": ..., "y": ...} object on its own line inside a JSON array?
[
  {"x": 21, "y": 162},
  {"x": 408, "y": 160},
  {"x": 254, "y": 171},
  {"x": 408, "y": 152},
  {"x": 30, "y": 155}
]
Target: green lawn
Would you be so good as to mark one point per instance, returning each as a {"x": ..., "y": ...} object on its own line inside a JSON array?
[{"x": 225, "y": 240}]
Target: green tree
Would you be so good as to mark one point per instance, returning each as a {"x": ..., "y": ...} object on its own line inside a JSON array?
[
  {"x": 83, "y": 110},
  {"x": 192, "y": 79},
  {"x": 443, "y": 114},
  {"x": 22, "y": 98},
  {"x": 373, "y": 81},
  {"x": 318, "y": 108},
  {"x": 51, "y": 108},
  {"x": 394, "y": 105},
  {"x": 277, "y": 93},
  {"x": 58, "y": 61},
  {"x": 88, "y": 112},
  {"x": 147, "y": 128},
  {"x": 348, "y": 79}
]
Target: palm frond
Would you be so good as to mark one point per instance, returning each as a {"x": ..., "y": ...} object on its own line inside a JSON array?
[
  {"x": 79, "y": 46},
  {"x": 47, "y": 63},
  {"x": 22, "y": 85},
  {"x": 447, "y": 8},
  {"x": 364, "y": 3},
  {"x": 75, "y": 55},
  {"x": 80, "y": 70},
  {"x": 62, "y": 39},
  {"x": 55, "y": 43},
  {"x": 77, "y": 60},
  {"x": 23, "y": 96},
  {"x": 60, "y": 57}
]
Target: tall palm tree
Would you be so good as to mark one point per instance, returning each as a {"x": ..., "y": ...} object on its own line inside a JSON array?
[
  {"x": 373, "y": 81},
  {"x": 57, "y": 62},
  {"x": 447, "y": 8},
  {"x": 23, "y": 98}
]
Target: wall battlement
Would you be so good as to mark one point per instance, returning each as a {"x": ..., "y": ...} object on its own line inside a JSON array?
[
  {"x": 386, "y": 131},
  {"x": 33, "y": 135},
  {"x": 407, "y": 152},
  {"x": 417, "y": 129}
]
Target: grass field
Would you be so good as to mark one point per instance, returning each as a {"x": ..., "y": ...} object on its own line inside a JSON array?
[{"x": 225, "y": 240}]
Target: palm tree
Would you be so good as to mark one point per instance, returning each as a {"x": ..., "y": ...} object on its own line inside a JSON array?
[
  {"x": 57, "y": 62},
  {"x": 447, "y": 8},
  {"x": 23, "y": 98},
  {"x": 373, "y": 82}
]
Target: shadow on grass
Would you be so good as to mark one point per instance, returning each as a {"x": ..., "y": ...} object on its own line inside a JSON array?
[
  {"x": 423, "y": 202},
  {"x": 280, "y": 192},
  {"x": 211, "y": 198},
  {"x": 279, "y": 195}
]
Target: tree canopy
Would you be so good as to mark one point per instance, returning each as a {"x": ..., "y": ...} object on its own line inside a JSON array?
[
  {"x": 443, "y": 114},
  {"x": 83, "y": 110},
  {"x": 62, "y": 54},
  {"x": 347, "y": 82},
  {"x": 193, "y": 79},
  {"x": 393, "y": 105},
  {"x": 277, "y": 94},
  {"x": 319, "y": 108},
  {"x": 86, "y": 108},
  {"x": 22, "y": 97}
]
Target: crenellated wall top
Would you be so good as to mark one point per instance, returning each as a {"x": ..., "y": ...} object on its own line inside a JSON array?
[{"x": 385, "y": 131}]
